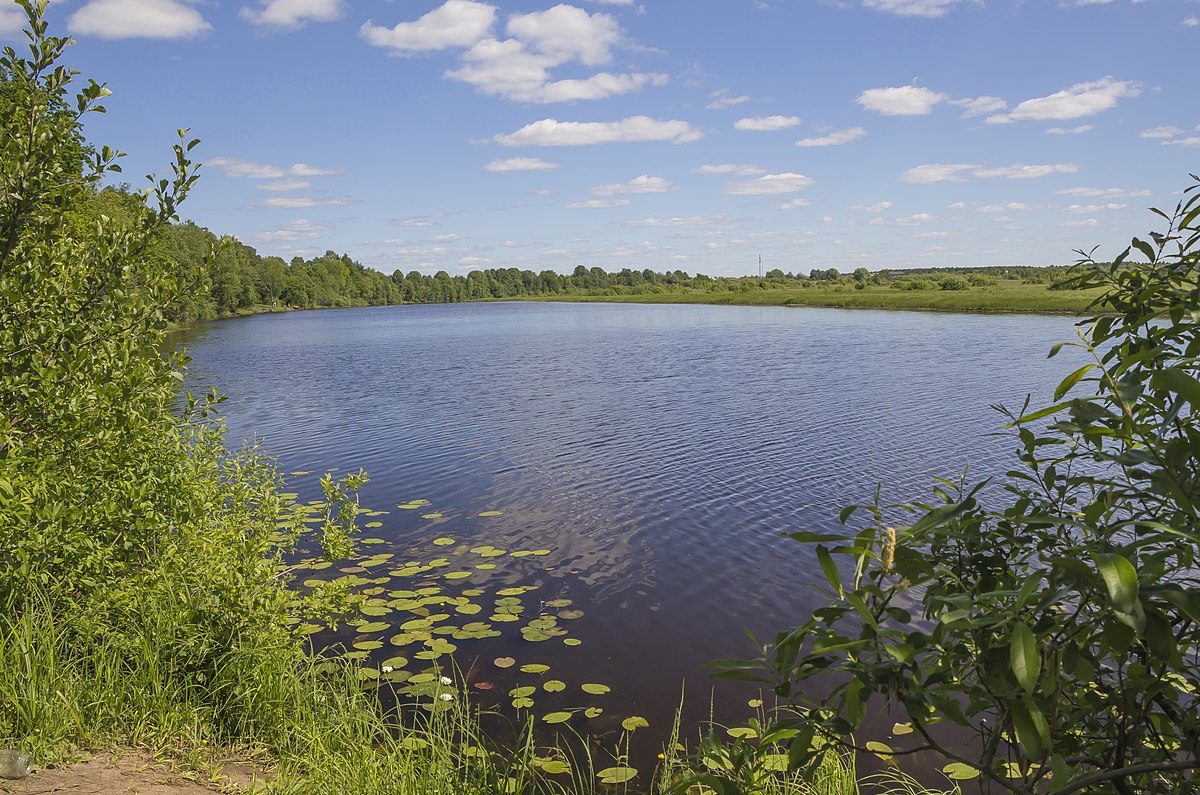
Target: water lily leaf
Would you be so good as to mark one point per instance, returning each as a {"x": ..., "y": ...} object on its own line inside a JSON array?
[
  {"x": 443, "y": 542},
  {"x": 616, "y": 775},
  {"x": 504, "y": 662},
  {"x": 522, "y": 703},
  {"x": 593, "y": 712},
  {"x": 881, "y": 750},
  {"x": 554, "y": 686},
  {"x": 754, "y": 703},
  {"x": 468, "y": 609},
  {"x": 504, "y": 617},
  {"x": 557, "y": 717},
  {"x": 570, "y": 615},
  {"x": 373, "y": 524},
  {"x": 534, "y": 635},
  {"x": 375, "y": 610},
  {"x": 960, "y": 771},
  {"x": 555, "y": 766},
  {"x": 535, "y": 668},
  {"x": 395, "y": 662},
  {"x": 457, "y": 575},
  {"x": 634, "y": 722},
  {"x": 744, "y": 732},
  {"x": 492, "y": 513},
  {"x": 368, "y": 645},
  {"x": 899, "y": 729},
  {"x": 473, "y": 592},
  {"x": 559, "y": 603},
  {"x": 514, "y": 591},
  {"x": 483, "y": 685},
  {"x": 571, "y": 641},
  {"x": 374, "y": 626},
  {"x": 368, "y": 673},
  {"x": 354, "y": 655},
  {"x": 595, "y": 690},
  {"x": 522, "y": 692},
  {"x": 485, "y": 566},
  {"x": 431, "y": 516}
]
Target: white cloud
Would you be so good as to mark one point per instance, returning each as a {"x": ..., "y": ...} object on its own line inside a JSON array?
[
  {"x": 794, "y": 204},
  {"x": 301, "y": 202},
  {"x": 957, "y": 206},
  {"x": 642, "y": 184},
  {"x": 979, "y": 106},
  {"x": 237, "y": 167},
  {"x": 551, "y": 132},
  {"x": 285, "y": 185},
  {"x": 1103, "y": 193},
  {"x": 418, "y": 220},
  {"x": 292, "y": 14},
  {"x": 1191, "y": 141},
  {"x": 740, "y": 169},
  {"x": 1170, "y": 131},
  {"x": 300, "y": 229},
  {"x": 834, "y": 139},
  {"x": 1081, "y": 99},
  {"x": 1080, "y": 209},
  {"x": 905, "y": 220},
  {"x": 877, "y": 207},
  {"x": 519, "y": 164},
  {"x": 1002, "y": 208},
  {"x": 769, "y": 184},
  {"x": 958, "y": 172},
  {"x": 1086, "y": 223},
  {"x": 900, "y": 100},
  {"x": 565, "y": 33},
  {"x": 722, "y": 99},
  {"x": 766, "y": 123},
  {"x": 128, "y": 19},
  {"x": 12, "y": 19},
  {"x": 518, "y": 67},
  {"x": 456, "y": 23},
  {"x": 913, "y": 8},
  {"x": 597, "y": 204},
  {"x": 694, "y": 220},
  {"x": 1083, "y": 128},
  {"x": 1190, "y": 22}
]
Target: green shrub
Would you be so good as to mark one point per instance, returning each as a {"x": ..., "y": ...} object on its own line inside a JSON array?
[
  {"x": 953, "y": 281},
  {"x": 1056, "y": 624}
]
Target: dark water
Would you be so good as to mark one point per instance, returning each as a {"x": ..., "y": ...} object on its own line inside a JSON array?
[{"x": 658, "y": 451}]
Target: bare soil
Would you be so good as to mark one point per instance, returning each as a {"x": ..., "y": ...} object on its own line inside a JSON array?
[{"x": 132, "y": 773}]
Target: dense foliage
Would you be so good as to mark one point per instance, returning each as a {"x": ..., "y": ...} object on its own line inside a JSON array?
[{"x": 1055, "y": 621}]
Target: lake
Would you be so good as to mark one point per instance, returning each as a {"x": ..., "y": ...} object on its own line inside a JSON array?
[{"x": 658, "y": 452}]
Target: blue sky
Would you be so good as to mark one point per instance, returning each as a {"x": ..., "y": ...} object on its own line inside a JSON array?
[{"x": 459, "y": 134}]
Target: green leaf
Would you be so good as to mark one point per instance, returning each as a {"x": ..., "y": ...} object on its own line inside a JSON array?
[
  {"x": 1040, "y": 413},
  {"x": 595, "y": 690},
  {"x": 830, "y": 568},
  {"x": 616, "y": 775},
  {"x": 1120, "y": 577},
  {"x": 634, "y": 722},
  {"x": 960, "y": 771},
  {"x": 1065, "y": 386},
  {"x": 557, "y": 717},
  {"x": 1145, "y": 248},
  {"x": 1174, "y": 379},
  {"x": 1024, "y": 658}
]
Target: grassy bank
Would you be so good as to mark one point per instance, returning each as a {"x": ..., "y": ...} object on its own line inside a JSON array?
[{"x": 1007, "y": 296}]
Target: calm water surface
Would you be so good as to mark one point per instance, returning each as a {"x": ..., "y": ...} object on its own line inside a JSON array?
[{"x": 659, "y": 451}]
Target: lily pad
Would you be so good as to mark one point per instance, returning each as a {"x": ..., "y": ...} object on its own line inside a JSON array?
[
  {"x": 557, "y": 717},
  {"x": 492, "y": 513},
  {"x": 535, "y": 668},
  {"x": 593, "y": 712},
  {"x": 902, "y": 728},
  {"x": 960, "y": 771},
  {"x": 522, "y": 692},
  {"x": 554, "y": 686},
  {"x": 571, "y": 641},
  {"x": 595, "y": 690},
  {"x": 431, "y": 516},
  {"x": 570, "y": 615},
  {"x": 616, "y": 775},
  {"x": 504, "y": 662},
  {"x": 634, "y": 722},
  {"x": 559, "y": 603},
  {"x": 373, "y": 626},
  {"x": 443, "y": 542}
]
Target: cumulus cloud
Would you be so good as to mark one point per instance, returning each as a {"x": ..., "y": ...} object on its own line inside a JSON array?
[
  {"x": 766, "y": 123},
  {"x": 1081, "y": 99},
  {"x": 913, "y": 8},
  {"x": 292, "y": 14},
  {"x": 1169, "y": 131},
  {"x": 769, "y": 184},
  {"x": 300, "y": 229},
  {"x": 12, "y": 19},
  {"x": 1190, "y": 141},
  {"x": 1070, "y": 130},
  {"x": 456, "y": 23},
  {"x": 519, "y": 164},
  {"x": 900, "y": 100},
  {"x": 518, "y": 67},
  {"x": 794, "y": 204},
  {"x": 597, "y": 204},
  {"x": 979, "y": 106},
  {"x": 931, "y": 173},
  {"x": 834, "y": 139},
  {"x": 129, "y": 19},
  {"x": 635, "y": 129},
  {"x": 237, "y": 167},
  {"x": 1190, "y": 22},
  {"x": 739, "y": 169},
  {"x": 1002, "y": 208},
  {"x": 642, "y": 184}
]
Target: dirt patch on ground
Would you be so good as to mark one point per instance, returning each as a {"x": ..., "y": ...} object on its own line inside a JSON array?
[{"x": 134, "y": 773}]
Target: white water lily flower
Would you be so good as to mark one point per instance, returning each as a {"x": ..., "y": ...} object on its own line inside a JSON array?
[
  {"x": 387, "y": 669},
  {"x": 447, "y": 680},
  {"x": 446, "y": 696}
]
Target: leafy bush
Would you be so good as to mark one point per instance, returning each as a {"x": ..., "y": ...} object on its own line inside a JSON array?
[
  {"x": 1056, "y": 623},
  {"x": 913, "y": 284},
  {"x": 982, "y": 280},
  {"x": 953, "y": 281}
]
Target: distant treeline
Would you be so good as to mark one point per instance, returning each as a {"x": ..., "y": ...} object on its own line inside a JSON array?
[{"x": 225, "y": 276}]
